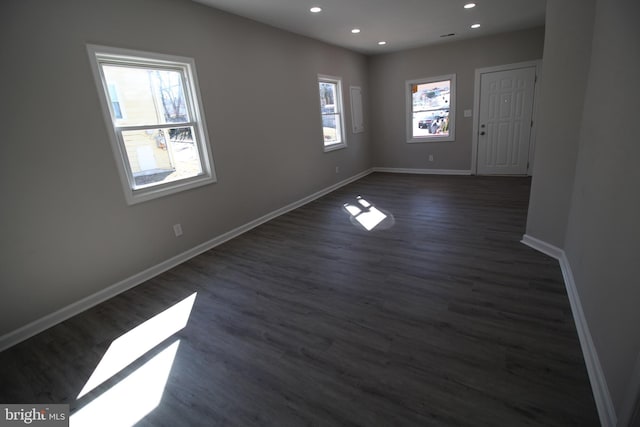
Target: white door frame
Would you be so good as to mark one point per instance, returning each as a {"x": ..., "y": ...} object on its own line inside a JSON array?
[{"x": 476, "y": 108}]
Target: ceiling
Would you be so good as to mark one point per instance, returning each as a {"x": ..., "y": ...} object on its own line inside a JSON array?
[{"x": 403, "y": 24}]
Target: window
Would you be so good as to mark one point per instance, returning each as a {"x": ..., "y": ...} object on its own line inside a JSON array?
[
  {"x": 331, "y": 112},
  {"x": 431, "y": 109},
  {"x": 161, "y": 144}
]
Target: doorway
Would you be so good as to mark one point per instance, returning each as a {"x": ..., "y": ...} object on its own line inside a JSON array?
[{"x": 504, "y": 131}]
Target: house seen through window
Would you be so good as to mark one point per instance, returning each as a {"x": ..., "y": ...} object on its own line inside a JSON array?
[
  {"x": 161, "y": 143},
  {"x": 431, "y": 109}
]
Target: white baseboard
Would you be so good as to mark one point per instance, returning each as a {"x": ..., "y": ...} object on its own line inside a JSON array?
[
  {"x": 602, "y": 397},
  {"x": 542, "y": 246},
  {"x": 424, "y": 171},
  {"x": 14, "y": 337},
  {"x": 630, "y": 410}
]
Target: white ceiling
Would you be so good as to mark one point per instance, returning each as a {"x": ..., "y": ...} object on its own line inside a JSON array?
[{"x": 403, "y": 24}]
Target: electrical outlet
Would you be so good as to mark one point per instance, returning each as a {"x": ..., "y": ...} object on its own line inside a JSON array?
[
  {"x": 177, "y": 229},
  {"x": 337, "y": 169},
  {"x": 431, "y": 157}
]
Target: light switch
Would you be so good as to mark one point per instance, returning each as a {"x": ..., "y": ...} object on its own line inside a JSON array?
[{"x": 467, "y": 113}]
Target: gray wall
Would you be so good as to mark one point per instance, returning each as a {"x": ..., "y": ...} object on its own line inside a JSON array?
[
  {"x": 585, "y": 195},
  {"x": 388, "y": 74},
  {"x": 66, "y": 231},
  {"x": 603, "y": 234},
  {"x": 567, "y": 51}
]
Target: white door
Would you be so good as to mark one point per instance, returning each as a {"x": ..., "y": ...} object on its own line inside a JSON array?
[{"x": 504, "y": 131}]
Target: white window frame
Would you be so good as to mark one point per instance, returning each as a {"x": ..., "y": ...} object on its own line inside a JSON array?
[
  {"x": 99, "y": 55},
  {"x": 452, "y": 109},
  {"x": 322, "y": 78}
]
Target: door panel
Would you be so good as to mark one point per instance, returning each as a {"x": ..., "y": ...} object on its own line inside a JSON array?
[{"x": 506, "y": 108}]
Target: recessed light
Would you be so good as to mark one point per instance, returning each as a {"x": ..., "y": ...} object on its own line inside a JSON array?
[
  {"x": 469, "y": 5},
  {"x": 355, "y": 30},
  {"x": 475, "y": 26},
  {"x": 315, "y": 9},
  {"x": 382, "y": 43}
]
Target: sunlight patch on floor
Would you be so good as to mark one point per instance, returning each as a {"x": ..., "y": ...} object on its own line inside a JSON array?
[
  {"x": 129, "y": 347},
  {"x": 367, "y": 215},
  {"x": 131, "y": 399}
]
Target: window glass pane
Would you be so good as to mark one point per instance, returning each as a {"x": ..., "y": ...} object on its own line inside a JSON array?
[
  {"x": 431, "y": 123},
  {"x": 328, "y": 97},
  {"x": 161, "y": 155},
  {"x": 331, "y": 113},
  {"x": 331, "y": 129},
  {"x": 149, "y": 96},
  {"x": 430, "y": 105}
]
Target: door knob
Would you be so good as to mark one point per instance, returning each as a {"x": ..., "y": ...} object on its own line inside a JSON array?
[{"x": 482, "y": 133}]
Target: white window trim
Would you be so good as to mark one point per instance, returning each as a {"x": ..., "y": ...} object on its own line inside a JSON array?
[
  {"x": 99, "y": 54},
  {"x": 452, "y": 110},
  {"x": 338, "y": 82}
]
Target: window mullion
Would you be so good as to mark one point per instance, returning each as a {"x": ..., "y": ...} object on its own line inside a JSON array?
[
  {"x": 140, "y": 64},
  {"x": 158, "y": 126}
]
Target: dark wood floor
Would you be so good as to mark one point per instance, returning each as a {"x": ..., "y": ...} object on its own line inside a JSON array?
[{"x": 437, "y": 317}]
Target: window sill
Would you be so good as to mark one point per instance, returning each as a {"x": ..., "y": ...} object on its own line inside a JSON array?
[
  {"x": 155, "y": 192},
  {"x": 334, "y": 147},
  {"x": 431, "y": 139}
]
